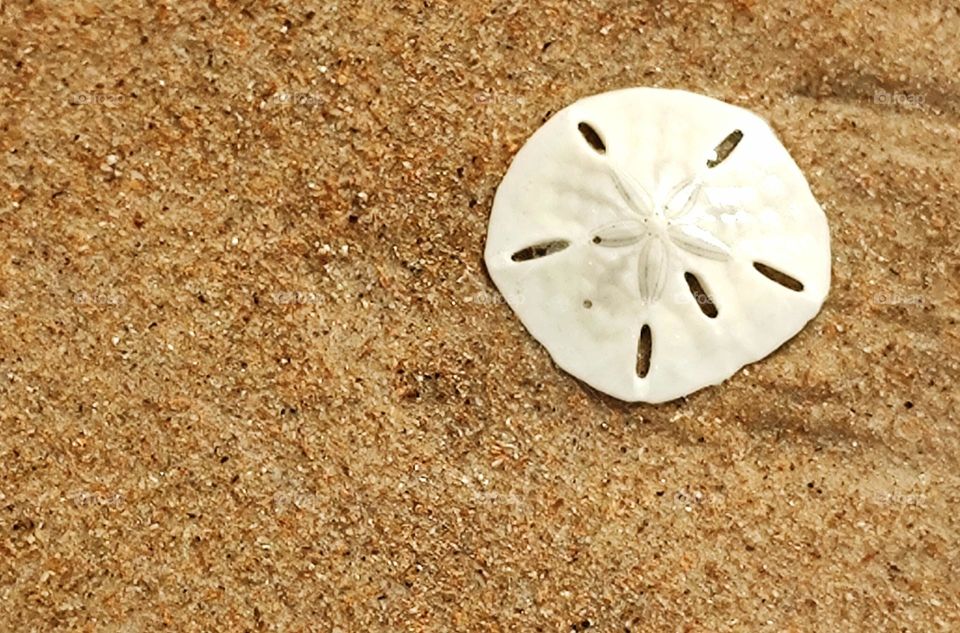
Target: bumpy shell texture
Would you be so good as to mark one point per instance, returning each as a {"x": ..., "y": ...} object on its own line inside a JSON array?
[{"x": 656, "y": 241}]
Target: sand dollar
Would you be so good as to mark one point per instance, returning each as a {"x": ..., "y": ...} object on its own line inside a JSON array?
[{"x": 656, "y": 241}]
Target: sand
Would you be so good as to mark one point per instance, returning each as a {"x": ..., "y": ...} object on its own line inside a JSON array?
[{"x": 254, "y": 377}]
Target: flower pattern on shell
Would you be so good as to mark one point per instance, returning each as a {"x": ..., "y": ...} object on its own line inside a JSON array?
[{"x": 658, "y": 229}]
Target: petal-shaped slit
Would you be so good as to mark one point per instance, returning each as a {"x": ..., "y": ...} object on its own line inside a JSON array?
[
  {"x": 699, "y": 241},
  {"x": 779, "y": 277},
  {"x": 725, "y": 148},
  {"x": 592, "y": 137},
  {"x": 704, "y": 302},
  {"x": 644, "y": 351},
  {"x": 542, "y": 249}
]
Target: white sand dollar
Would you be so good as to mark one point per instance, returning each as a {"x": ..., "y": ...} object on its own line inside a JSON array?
[{"x": 656, "y": 241}]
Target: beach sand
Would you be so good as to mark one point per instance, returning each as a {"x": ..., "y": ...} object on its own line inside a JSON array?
[{"x": 254, "y": 377}]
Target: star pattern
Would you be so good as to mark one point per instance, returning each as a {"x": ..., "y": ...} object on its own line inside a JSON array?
[{"x": 654, "y": 231}]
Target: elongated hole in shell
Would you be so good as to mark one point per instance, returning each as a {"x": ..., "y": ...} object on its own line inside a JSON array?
[
  {"x": 725, "y": 148},
  {"x": 779, "y": 277},
  {"x": 704, "y": 302},
  {"x": 592, "y": 137},
  {"x": 644, "y": 349},
  {"x": 536, "y": 251}
]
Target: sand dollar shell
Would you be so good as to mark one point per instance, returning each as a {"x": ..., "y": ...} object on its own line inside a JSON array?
[{"x": 656, "y": 241}]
